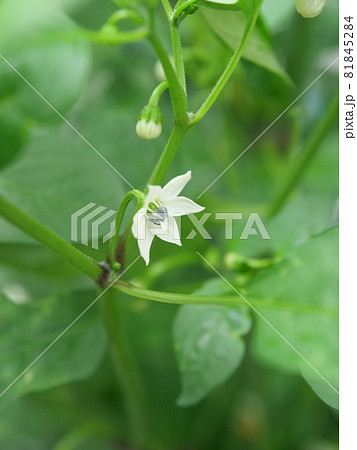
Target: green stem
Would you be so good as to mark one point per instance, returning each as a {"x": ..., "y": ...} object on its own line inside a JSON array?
[
  {"x": 223, "y": 300},
  {"x": 181, "y": 8},
  {"x": 167, "y": 8},
  {"x": 125, "y": 14},
  {"x": 131, "y": 195},
  {"x": 110, "y": 35},
  {"x": 217, "y": 89},
  {"x": 49, "y": 239},
  {"x": 168, "y": 154},
  {"x": 305, "y": 157},
  {"x": 127, "y": 372},
  {"x": 178, "y": 96},
  {"x": 157, "y": 93},
  {"x": 177, "y": 53}
]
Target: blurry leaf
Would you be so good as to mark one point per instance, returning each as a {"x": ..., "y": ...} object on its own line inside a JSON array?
[
  {"x": 41, "y": 271},
  {"x": 277, "y": 13},
  {"x": 29, "y": 328},
  {"x": 308, "y": 277},
  {"x": 34, "y": 38},
  {"x": 321, "y": 388},
  {"x": 57, "y": 175},
  {"x": 12, "y": 133},
  {"x": 304, "y": 216},
  {"x": 322, "y": 175},
  {"x": 208, "y": 347},
  {"x": 229, "y": 26},
  {"x": 311, "y": 210}
]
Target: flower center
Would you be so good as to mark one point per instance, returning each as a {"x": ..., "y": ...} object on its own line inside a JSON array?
[{"x": 157, "y": 214}]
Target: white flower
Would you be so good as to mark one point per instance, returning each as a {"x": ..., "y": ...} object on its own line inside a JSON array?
[
  {"x": 309, "y": 8},
  {"x": 148, "y": 129},
  {"x": 157, "y": 216}
]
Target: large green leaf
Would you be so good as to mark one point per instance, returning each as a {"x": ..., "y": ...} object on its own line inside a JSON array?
[
  {"x": 304, "y": 292},
  {"x": 34, "y": 38},
  {"x": 230, "y": 25},
  {"x": 208, "y": 346},
  {"x": 57, "y": 175},
  {"x": 27, "y": 329}
]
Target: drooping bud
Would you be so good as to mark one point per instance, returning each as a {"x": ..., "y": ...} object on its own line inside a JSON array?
[
  {"x": 309, "y": 8},
  {"x": 149, "y": 123}
]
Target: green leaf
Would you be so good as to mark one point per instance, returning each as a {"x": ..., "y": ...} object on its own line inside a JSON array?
[
  {"x": 38, "y": 42},
  {"x": 57, "y": 175},
  {"x": 12, "y": 132},
  {"x": 304, "y": 216},
  {"x": 229, "y": 26},
  {"x": 27, "y": 329},
  {"x": 277, "y": 13},
  {"x": 208, "y": 347},
  {"x": 307, "y": 276}
]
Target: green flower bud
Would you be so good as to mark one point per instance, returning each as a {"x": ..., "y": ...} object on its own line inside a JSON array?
[
  {"x": 149, "y": 123},
  {"x": 309, "y": 8}
]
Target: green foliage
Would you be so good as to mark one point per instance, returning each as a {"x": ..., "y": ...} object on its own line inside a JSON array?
[
  {"x": 248, "y": 391},
  {"x": 208, "y": 345},
  {"x": 277, "y": 13},
  {"x": 41, "y": 44},
  {"x": 49, "y": 161},
  {"x": 229, "y": 26},
  {"x": 12, "y": 132},
  {"x": 27, "y": 329},
  {"x": 304, "y": 291}
]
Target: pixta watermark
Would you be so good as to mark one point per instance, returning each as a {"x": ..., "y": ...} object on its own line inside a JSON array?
[{"x": 94, "y": 224}]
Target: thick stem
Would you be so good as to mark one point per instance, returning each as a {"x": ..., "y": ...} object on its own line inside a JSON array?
[
  {"x": 127, "y": 372},
  {"x": 178, "y": 96},
  {"x": 168, "y": 154},
  {"x": 217, "y": 89},
  {"x": 304, "y": 159},
  {"x": 177, "y": 53},
  {"x": 49, "y": 239}
]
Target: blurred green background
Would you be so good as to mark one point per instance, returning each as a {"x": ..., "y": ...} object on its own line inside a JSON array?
[{"x": 71, "y": 398}]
